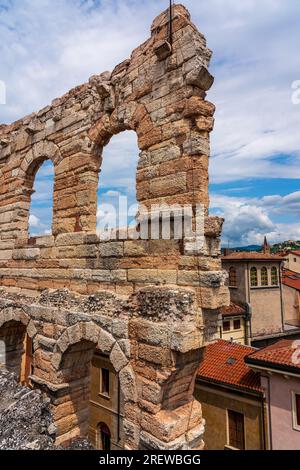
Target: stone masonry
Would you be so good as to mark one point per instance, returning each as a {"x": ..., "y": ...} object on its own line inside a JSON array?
[{"x": 150, "y": 305}]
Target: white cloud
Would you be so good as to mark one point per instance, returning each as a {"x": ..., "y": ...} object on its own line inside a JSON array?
[
  {"x": 33, "y": 221},
  {"x": 49, "y": 46},
  {"x": 248, "y": 220}
]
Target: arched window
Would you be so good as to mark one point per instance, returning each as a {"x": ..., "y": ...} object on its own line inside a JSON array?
[
  {"x": 274, "y": 276},
  {"x": 232, "y": 277},
  {"x": 253, "y": 277},
  {"x": 41, "y": 207},
  {"x": 264, "y": 276},
  {"x": 104, "y": 437},
  {"x": 117, "y": 203}
]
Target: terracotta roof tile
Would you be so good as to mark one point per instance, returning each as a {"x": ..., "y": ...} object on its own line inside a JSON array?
[
  {"x": 224, "y": 363},
  {"x": 282, "y": 353},
  {"x": 295, "y": 252},
  {"x": 252, "y": 255},
  {"x": 232, "y": 309},
  {"x": 291, "y": 279}
]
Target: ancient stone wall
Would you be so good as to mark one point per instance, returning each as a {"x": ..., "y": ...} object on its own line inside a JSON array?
[{"x": 149, "y": 304}]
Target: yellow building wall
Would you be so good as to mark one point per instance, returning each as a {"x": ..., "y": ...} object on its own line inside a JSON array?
[
  {"x": 215, "y": 404},
  {"x": 103, "y": 409},
  {"x": 293, "y": 262},
  {"x": 237, "y": 336}
]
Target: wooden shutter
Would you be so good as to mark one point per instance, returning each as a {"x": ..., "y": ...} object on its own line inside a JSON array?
[{"x": 236, "y": 430}]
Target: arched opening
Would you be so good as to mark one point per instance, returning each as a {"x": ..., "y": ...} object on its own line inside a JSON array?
[
  {"x": 253, "y": 277},
  {"x": 232, "y": 277},
  {"x": 41, "y": 180},
  {"x": 16, "y": 350},
  {"x": 274, "y": 276},
  {"x": 93, "y": 396},
  {"x": 264, "y": 276},
  {"x": 103, "y": 437},
  {"x": 117, "y": 201},
  {"x": 73, "y": 414}
]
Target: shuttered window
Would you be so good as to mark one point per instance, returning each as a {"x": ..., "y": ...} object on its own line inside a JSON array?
[
  {"x": 297, "y": 398},
  {"x": 236, "y": 430}
]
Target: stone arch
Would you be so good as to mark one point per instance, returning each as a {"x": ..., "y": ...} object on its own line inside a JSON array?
[
  {"x": 71, "y": 361},
  {"x": 26, "y": 173},
  {"x": 39, "y": 152},
  {"x": 15, "y": 324}
]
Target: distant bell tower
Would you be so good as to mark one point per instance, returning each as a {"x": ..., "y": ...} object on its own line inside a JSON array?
[{"x": 266, "y": 247}]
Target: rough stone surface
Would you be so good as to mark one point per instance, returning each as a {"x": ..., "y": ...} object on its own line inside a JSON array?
[
  {"x": 26, "y": 421},
  {"x": 148, "y": 304}
]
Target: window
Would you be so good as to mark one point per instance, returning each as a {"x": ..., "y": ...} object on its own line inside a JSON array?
[
  {"x": 253, "y": 277},
  {"x": 236, "y": 431},
  {"x": 274, "y": 276},
  {"x": 41, "y": 206},
  {"x": 232, "y": 277},
  {"x": 295, "y": 260},
  {"x": 296, "y": 411},
  {"x": 226, "y": 325},
  {"x": 117, "y": 201},
  {"x": 237, "y": 324},
  {"x": 104, "y": 437},
  {"x": 104, "y": 382},
  {"x": 264, "y": 276}
]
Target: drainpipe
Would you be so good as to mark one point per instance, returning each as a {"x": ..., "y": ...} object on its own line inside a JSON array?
[
  {"x": 281, "y": 296},
  {"x": 248, "y": 329},
  {"x": 269, "y": 413},
  {"x": 264, "y": 417}
]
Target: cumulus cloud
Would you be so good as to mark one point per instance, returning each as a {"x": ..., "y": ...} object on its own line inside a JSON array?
[
  {"x": 248, "y": 220},
  {"x": 49, "y": 46},
  {"x": 33, "y": 221}
]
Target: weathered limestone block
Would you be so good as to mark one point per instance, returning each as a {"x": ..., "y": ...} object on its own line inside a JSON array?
[
  {"x": 106, "y": 342},
  {"x": 200, "y": 77},
  {"x": 118, "y": 358},
  {"x": 26, "y": 254},
  {"x": 74, "y": 294}
]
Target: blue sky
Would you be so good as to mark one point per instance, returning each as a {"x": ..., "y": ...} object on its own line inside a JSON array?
[{"x": 49, "y": 46}]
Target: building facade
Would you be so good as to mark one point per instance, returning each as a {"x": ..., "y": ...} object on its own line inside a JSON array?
[
  {"x": 291, "y": 295},
  {"x": 255, "y": 280},
  {"x": 234, "y": 324},
  {"x": 106, "y": 406},
  {"x": 279, "y": 367},
  {"x": 232, "y": 400},
  {"x": 292, "y": 262}
]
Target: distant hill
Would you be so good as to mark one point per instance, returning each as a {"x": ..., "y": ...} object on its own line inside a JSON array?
[
  {"x": 287, "y": 245},
  {"x": 246, "y": 248}
]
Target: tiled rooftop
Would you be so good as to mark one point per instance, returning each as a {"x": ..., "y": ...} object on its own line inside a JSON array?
[
  {"x": 224, "y": 363},
  {"x": 232, "y": 309},
  {"x": 252, "y": 255},
  {"x": 282, "y": 353},
  {"x": 291, "y": 279}
]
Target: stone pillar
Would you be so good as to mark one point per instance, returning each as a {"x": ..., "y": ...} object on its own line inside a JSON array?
[{"x": 167, "y": 345}]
